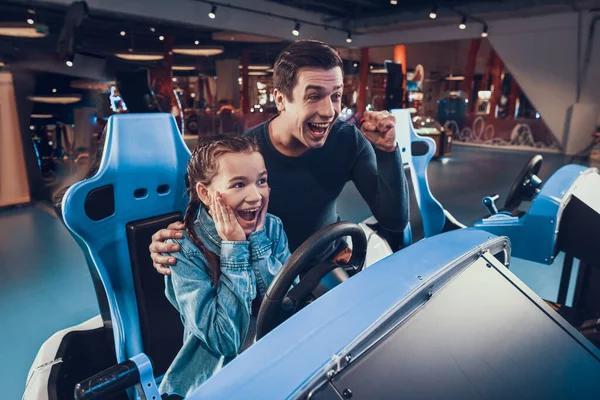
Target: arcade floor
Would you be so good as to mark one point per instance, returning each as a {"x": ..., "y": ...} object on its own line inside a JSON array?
[{"x": 46, "y": 286}]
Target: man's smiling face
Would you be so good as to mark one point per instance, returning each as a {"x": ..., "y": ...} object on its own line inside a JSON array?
[{"x": 315, "y": 104}]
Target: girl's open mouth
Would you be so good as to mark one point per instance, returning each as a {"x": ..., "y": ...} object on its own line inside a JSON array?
[{"x": 248, "y": 214}]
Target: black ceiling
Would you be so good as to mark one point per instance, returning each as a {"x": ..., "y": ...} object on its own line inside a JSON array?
[
  {"x": 354, "y": 14},
  {"x": 357, "y": 9},
  {"x": 99, "y": 35}
]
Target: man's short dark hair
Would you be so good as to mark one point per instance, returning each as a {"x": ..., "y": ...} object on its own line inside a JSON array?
[{"x": 302, "y": 53}]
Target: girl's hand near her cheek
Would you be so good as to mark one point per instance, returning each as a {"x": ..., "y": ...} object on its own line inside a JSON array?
[
  {"x": 227, "y": 225},
  {"x": 262, "y": 214}
]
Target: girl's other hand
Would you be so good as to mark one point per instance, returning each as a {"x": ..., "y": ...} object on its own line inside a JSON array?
[{"x": 227, "y": 225}]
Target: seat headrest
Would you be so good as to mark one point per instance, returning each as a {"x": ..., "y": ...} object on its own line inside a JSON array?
[{"x": 142, "y": 169}]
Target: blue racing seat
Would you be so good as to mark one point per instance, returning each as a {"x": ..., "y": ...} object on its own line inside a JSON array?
[
  {"x": 416, "y": 152},
  {"x": 138, "y": 189}
]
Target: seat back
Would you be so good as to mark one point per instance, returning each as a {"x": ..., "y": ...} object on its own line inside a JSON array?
[
  {"x": 416, "y": 153},
  {"x": 139, "y": 187}
]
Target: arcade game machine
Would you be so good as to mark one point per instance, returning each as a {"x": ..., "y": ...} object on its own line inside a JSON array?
[
  {"x": 414, "y": 89},
  {"x": 394, "y": 91},
  {"x": 452, "y": 107},
  {"x": 427, "y": 126},
  {"x": 44, "y": 151},
  {"x": 199, "y": 105},
  {"x": 482, "y": 107},
  {"x": 135, "y": 91}
]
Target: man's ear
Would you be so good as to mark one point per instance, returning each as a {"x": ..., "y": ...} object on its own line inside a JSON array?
[
  {"x": 279, "y": 98},
  {"x": 203, "y": 194}
]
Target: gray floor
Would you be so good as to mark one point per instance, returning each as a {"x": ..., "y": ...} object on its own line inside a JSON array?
[{"x": 46, "y": 286}]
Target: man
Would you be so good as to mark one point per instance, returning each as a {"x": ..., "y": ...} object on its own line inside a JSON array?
[{"x": 310, "y": 155}]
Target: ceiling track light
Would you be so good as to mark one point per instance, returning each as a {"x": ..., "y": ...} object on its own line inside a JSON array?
[
  {"x": 393, "y": 2},
  {"x": 30, "y": 19},
  {"x": 484, "y": 32},
  {"x": 433, "y": 13},
  {"x": 69, "y": 60},
  {"x": 349, "y": 37},
  {"x": 463, "y": 23},
  {"x": 213, "y": 12}
]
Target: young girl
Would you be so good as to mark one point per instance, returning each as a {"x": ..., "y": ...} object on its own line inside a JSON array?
[{"x": 229, "y": 254}]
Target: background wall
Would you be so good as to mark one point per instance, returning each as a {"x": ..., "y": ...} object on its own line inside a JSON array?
[
  {"x": 541, "y": 53},
  {"x": 14, "y": 187}
]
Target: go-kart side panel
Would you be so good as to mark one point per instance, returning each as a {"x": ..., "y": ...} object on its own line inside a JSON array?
[
  {"x": 533, "y": 237},
  {"x": 282, "y": 361},
  {"x": 579, "y": 229},
  {"x": 150, "y": 143},
  {"x": 468, "y": 342}
]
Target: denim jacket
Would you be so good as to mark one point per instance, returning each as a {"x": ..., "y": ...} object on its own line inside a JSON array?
[{"x": 216, "y": 320}]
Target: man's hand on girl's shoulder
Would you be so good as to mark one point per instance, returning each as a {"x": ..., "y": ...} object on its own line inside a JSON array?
[{"x": 158, "y": 246}]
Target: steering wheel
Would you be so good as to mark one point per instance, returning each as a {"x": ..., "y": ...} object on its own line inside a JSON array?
[
  {"x": 279, "y": 304},
  {"x": 527, "y": 184}
]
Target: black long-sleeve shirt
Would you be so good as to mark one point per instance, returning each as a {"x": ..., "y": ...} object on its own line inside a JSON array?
[{"x": 304, "y": 189}]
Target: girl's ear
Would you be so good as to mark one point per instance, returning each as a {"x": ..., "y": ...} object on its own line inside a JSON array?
[{"x": 203, "y": 194}]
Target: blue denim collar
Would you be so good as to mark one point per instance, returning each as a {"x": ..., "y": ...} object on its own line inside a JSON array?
[{"x": 207, "y": 231}]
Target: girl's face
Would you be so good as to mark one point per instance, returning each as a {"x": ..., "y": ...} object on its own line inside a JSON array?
[{"x": 242, "y": 181}]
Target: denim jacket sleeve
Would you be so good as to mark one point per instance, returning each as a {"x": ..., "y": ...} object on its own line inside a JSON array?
[
  {"x": 219, "y": 316},
  {"x": 269, "y": 254}
]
